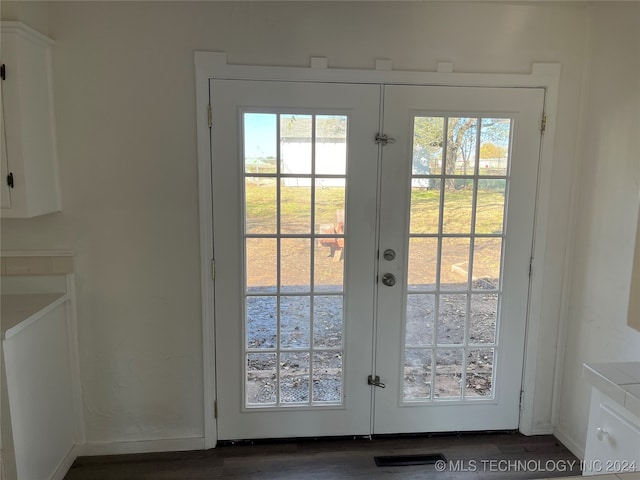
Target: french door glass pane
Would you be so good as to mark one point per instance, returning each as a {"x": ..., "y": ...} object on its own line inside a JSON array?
[
  {"x": 487, "y": 255},
  {"x": 490, "y": 206},
  {"x": 417, "y": 374},
  {"x": 454, "y": 263},
  {"x": 261, "y": 260},
  {"x": 262, "y": 380},
  {"x": 295, "y": 321},
  {"x": 420, "y": 320},
  {"x": 425, "y": 205},
  {"x": 262, "y": 325},
  {"x": 448, "y": 384},
  {"x": 260, "y": 144},
  {"x": 458, "y": 206},
  {"x": 295, "y": 205},
  {"x": 495, "y": 136},
  {"x": 295, "y": 265},
  {"x": 294, "y": 377},
  {"x": 328, "y": 320},
  {"x": 423, "y": 263},
  {"x": 461, "y": 146},
  {"x": 327, "y": 377},
  {"x": 459, "y": 187},
  {"x": 295, "y": 144},
  {"x": 479, "y": 374},
  {"x": 452, "y": 313},
  {"x": 329, "y": 205},
  {"x": 482, "y": 318},
  {"x": 294, "y": 240},
  {"x": 428, "y": 140},
  {"x": 261, "y": 214},
  {"x": 331, "y": 145}
]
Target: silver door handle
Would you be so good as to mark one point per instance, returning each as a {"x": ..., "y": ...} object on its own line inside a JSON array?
[{"x": 389, "y": 279}]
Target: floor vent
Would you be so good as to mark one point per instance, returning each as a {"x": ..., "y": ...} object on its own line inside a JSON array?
[{"x": 405, "y": 460}]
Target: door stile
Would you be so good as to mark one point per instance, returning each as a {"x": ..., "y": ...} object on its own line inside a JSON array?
[{"x": 376, "y": 259}]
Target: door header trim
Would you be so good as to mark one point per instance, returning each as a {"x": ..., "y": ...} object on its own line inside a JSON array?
[{"x": 214, "y": 65}]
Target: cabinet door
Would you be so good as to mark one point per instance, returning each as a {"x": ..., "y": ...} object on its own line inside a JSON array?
[
  {"x": 29, "y": 132},
  {"x": 613, "y": 443},
  {"x": 5, "y": 191}
]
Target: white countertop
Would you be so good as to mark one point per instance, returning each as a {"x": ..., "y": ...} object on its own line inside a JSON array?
[
  {"x": 17, "y": 308},
  {"x": 619, "y": 381}
]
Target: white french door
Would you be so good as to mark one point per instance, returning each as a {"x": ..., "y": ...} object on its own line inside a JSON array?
[
  {"x": 339, "y": 258},
  {"x": 457, "y": 207},
  {"x": 294, "y": 175}
]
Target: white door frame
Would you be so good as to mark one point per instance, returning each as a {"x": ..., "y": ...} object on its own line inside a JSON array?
[{"x": 210, "y": 65}]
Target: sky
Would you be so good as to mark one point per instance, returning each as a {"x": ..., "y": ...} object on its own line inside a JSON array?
[{"x": 260, "y": 135}]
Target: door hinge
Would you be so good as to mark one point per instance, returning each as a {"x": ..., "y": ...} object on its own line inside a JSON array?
[
  {"x": 213, "y": 269},
  {"x": 383, "y": 139},
  {"x": 10, "y": 180},
  {"x": 521, "y": 398},
  {"x": 543, "y": 124},
  {"x": 531, "y": 266},
  {"x": 215, "y": 409},
  {"x": 209, "y": 115},
  {"x": 375, "y": 381},
  {"x": 3, "y": 72}
]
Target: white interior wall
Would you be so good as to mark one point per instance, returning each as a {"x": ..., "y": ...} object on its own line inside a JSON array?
[
  {"x": 607, "y": 209},
  {"x": 34, "y": 14},
  {"x": 124, "y": 93}
]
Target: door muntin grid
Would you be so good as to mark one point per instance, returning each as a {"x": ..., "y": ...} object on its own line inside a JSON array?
[
  {"x": 294, "y": 194},
  {"x": 458, "y": 205}
]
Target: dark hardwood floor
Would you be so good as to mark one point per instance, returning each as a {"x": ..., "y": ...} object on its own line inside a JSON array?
[{"x": 469, "y": 456}]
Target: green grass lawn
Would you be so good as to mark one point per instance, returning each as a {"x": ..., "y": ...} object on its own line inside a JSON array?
[
  {"x": 295, "y": 208},
  {"x": 295, "y": 217}
]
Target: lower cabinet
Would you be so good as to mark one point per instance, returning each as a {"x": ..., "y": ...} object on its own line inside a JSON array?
[{"x": 613, "y": 439}]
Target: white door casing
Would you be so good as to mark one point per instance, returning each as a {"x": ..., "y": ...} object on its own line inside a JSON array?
[{"x": 214, "y": 65}]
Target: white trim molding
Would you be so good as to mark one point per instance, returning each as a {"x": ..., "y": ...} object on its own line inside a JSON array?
[
  {"x": 213, "y": 65},
  {"x": 65, "y": 464},
  {"x": 569, "y": 442},
  {"x": 143, "y": 446}
]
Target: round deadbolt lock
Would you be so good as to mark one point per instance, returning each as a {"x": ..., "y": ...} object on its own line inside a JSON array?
[{"x": 389, "y": 254}]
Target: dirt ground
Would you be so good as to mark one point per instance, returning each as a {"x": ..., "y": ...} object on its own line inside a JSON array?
[{"x": 295, "y": 327}]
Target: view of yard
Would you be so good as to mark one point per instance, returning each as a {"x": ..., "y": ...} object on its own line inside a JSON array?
[
  {"x": 295, "y": 311},
  {"x": 454, "y": 256}
]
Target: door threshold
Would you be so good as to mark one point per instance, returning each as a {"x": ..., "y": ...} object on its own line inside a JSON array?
[{"x": 338, "y": 438}]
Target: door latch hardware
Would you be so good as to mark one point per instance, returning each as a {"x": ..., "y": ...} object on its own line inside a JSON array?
[
  {"x": 384, "y": 139},
  {"x": 389, "y": 279},
  {"x": 375, "y": 381}
]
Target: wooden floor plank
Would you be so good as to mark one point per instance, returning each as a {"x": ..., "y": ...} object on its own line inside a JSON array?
[{"x": 483, "y": 456}]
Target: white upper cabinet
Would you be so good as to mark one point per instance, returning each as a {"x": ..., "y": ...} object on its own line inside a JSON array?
[{"x": 29, "y": 163}]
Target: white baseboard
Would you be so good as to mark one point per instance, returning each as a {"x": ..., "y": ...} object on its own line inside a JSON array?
[
  {"x": 544, "y": 429},
  {"x": 65, "y": 464},
  {"x": 569, "y": 442},
  {"x": 143, "y": 446}
]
